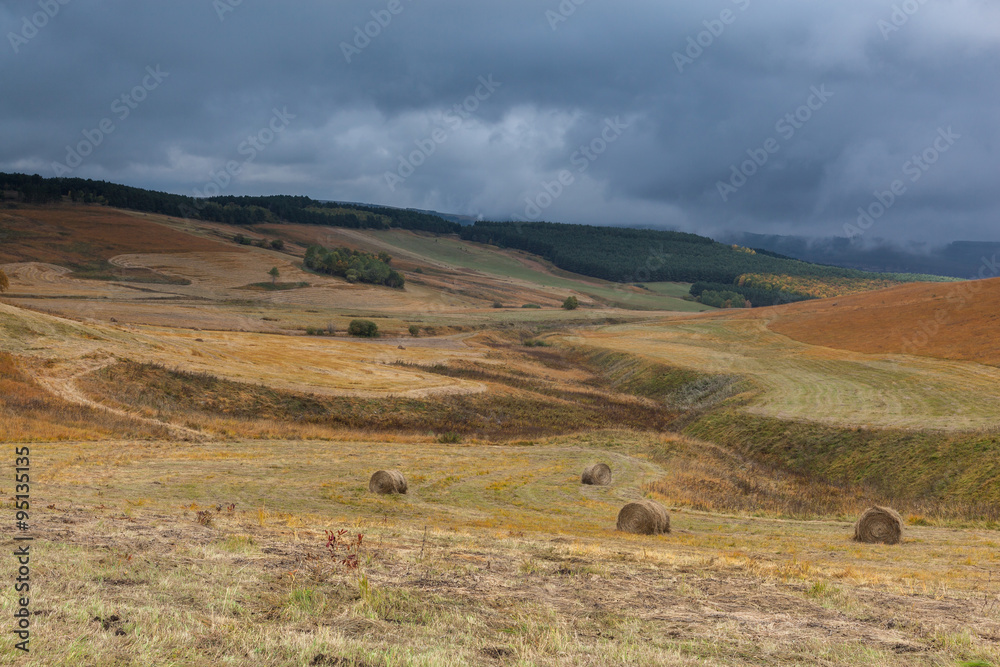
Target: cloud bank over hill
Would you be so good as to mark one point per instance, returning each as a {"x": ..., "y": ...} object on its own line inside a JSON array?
[{"x": 771, "y": 117}]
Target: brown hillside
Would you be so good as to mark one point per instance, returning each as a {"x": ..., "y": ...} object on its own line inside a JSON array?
[
  {"x": 945, "y": 320},
  {"x": 70, "y": 234}
]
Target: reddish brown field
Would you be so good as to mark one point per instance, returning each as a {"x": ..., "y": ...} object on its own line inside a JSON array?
[
  {"x": 73, "y": 234},
  {"x": 945, "y": 320}
]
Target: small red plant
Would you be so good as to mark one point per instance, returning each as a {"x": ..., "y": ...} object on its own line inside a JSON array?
[{"x": 344, "y": 548}]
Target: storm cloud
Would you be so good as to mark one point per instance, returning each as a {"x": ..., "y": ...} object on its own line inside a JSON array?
[{"x": 782, "y": 116}]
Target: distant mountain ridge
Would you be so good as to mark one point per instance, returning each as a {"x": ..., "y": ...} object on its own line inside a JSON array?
[{"x": 959, "y": 259}]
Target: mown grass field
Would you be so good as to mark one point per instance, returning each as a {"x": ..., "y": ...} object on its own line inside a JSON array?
[
  {"x": 804, "y": 382},
  {"x": 496, "y": 556}
]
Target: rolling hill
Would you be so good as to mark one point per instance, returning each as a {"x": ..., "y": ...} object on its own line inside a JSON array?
[
  {"x": 955, "y": 321},
  {"x": 617, "y": 254},
  {"x": 201, "y": 443}
]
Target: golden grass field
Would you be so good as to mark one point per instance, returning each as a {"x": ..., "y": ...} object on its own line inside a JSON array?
[
  {"x": 799, "y": 381},
  {"x": 497, "y": 555},
  {"x": 190, "y": 449}
]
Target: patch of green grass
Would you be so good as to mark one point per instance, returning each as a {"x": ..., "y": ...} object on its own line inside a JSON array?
[
  {"x": 275, "y": 287},
  {"x": 676, "y": 290},
  {"x": 462, "y": 254},
  {"x": 238, "y": 543},
  {"x": 105, "y": 270}
]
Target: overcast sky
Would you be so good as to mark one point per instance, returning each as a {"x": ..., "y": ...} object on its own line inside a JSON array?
[{"x": 771, "y": 116}]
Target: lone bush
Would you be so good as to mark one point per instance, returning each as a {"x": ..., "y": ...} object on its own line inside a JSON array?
[
  {"x": 571, "y": 303},
  {"x": 363, "y": 329},
  {"x": 414, "y": 330}
]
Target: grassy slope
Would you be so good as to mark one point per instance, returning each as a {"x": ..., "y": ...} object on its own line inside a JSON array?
[
  {"x": 488, "y": 260},
  {"x": 30, "y": 413},
  {"x": 847, "y": 409},
  {"x": 803, "y": 382},
  {"x": 85, "y": 237},
  {"x": 507, "y": 411}
]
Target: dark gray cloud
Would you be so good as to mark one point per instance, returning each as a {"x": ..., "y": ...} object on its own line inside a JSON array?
[{"x": 409, "y": 122}]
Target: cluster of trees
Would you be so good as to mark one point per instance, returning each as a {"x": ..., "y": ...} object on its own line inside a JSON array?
[
  {"x": 354, "y": 265},
  {"x": 723, "y": 299},
  {"x": 226, "y": 209},
  {"x": 819, "y": 287},
  {"x": 754, "y": 297},
  {"x": 363, "y": 329},
  {"x": 275, "y": 244}
]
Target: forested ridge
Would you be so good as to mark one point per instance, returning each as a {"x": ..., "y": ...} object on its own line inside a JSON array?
[
  {"x": 640, "y": 255},
  {"x": 719, "y": 271},
  {"x": 226, "y": 209}
]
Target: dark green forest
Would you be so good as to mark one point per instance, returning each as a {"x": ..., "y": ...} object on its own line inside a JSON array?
[
  {"x": 642, "y": 255},
  {"x": 225, "y": 209}
]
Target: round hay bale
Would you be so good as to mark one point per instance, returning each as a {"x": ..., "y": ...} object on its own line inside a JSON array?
[
  {"x": 644, "y": 517},
  {"x": 598, "y": 474},
  {"x": 387, "y": 481},
  {"x": 879, "y": 524}
]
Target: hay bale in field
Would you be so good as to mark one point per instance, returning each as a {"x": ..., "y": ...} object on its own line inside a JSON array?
[
  {"x": 879, "y": 524},
  {"x": 598, "y": 474},
  {"x": 387, "y": 481},
  {"x": 644, "y": 517}
]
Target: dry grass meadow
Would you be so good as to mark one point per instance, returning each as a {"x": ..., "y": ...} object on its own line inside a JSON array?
[{"x": 200, "y": 466}]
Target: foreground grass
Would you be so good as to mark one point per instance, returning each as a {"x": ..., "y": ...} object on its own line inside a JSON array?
[{"x": 496, "y": 556}]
